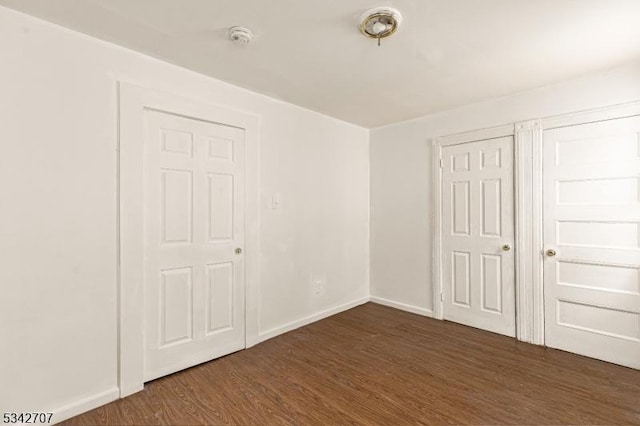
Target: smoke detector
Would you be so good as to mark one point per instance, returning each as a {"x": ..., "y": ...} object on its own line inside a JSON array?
[
  {"x": 380, "y": 22},
  {"x": 240, "y": 35}
]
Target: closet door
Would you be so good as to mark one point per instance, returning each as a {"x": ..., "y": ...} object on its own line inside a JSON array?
[
  {"x": 478, "y": 235},
  {"x": 592, "y": 239},
  {"x": 194, "y": 231}
]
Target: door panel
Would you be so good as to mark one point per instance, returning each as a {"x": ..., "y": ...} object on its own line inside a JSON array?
[
  {"x": 478, "y": 220},
  {"x": 193, "y": 222},
  {"x": 592, "y": 221}
]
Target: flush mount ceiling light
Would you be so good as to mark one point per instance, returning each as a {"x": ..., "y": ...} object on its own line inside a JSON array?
[
  {"x": 380, "y": 22},
  {"x": 240, "y": 35}
]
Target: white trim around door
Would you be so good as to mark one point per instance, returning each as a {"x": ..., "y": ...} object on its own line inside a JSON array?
[
  {"x": 528, "y": 215},
  {"x": 133, "y": 102},
  {"x": 529, "y": 244},
  {"x": 629, "y": 109}
]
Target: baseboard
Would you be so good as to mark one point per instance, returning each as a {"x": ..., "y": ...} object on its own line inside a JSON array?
[
  {"x": 97, "y": 400},
  {"x": 402, "y": 306},
  {"x": 86, "y": 404},
  {"x": 266, "y": 335}
]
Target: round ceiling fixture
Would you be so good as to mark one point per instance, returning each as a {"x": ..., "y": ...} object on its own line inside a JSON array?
[
  {"x": 380, "y": 22},
  {"x": 240, "y": 35}
]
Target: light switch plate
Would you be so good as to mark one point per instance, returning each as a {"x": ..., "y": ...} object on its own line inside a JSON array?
[{"x": 275, "y": 202}]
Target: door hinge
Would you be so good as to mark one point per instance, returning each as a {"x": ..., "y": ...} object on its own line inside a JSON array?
[
  {"x": 442, "y": 297},
  {"x": 441, "y": 163}
]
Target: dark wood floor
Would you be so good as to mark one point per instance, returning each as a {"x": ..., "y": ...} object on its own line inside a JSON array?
[{"x": 379, "y": 366}]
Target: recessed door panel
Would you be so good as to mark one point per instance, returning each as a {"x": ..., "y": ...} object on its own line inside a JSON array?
[
  {"x": 599, "y": 191},
  {"x": 461, "y": 278},
  {"x": 220, "y": 149},
  {"x": 460, "y": 162},
  {"x": 176, "y": 305},
  {"x": 600, "y": 320},
  {"x": 176, "y": 142},
  {"x": 491, "y": 158},
  {"x": 607, "y": 277},
  {"x": 598, "y": 234},
  {"x": 491, "y": 283},
  {"x": 176, "y": 193},
  {"x": 219, "y": 297},
  {"x": 619, "y": 146},
  {"x": 221, "y": 214},
  {"x": 491, "y": 199},
  {"x": 478, "y": 223},
  {"x": 461, "y": 216}
]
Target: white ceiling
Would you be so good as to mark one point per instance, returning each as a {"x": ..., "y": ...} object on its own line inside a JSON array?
[{"x": 309, "y": 52}]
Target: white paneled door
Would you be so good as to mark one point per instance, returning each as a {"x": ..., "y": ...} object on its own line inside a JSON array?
[
  {"x": 592, "y": 239},
  {"x": 193, "y": 238},
  {"x": 478, "y": 235}
]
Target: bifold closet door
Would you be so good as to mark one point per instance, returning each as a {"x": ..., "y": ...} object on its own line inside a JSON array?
[
  {"x": 592, "y": 239},
  {"x": 478, "y": 235},
  {"x": 193, "y": 235}
]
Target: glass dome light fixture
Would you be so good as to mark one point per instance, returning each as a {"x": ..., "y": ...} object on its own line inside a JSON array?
[
  {"x": 380, "y": 22},
  {"x": 240, "y": 35}
]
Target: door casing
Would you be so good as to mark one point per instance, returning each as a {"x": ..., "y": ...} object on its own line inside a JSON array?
[{"x": 133, "y": 101}]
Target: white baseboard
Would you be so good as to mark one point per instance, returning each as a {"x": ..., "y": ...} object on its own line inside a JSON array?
[
  {"x": 86, "y": 404},
  {"x": 403, "y": 306},
  {"x": 266, "y": 335},
  {"x": 97, "y": 400}
]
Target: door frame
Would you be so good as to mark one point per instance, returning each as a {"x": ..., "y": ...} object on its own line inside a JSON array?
[
  {"x": 133, "y": 101},
  {"x": 527, "y": 168}
]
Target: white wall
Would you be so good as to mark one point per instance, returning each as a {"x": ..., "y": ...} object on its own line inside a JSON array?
[
  {"x": 58, "y": 299},
  {"x": 401, "y": 170}
]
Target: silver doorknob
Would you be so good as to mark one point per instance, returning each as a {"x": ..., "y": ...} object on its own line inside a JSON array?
[
  {"x": 550, "y": 252},
  {"x": 238, "y": 250},
  {"x": 506, "y": 247}
]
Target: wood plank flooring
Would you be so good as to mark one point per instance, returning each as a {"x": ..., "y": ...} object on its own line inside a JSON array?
[{"x": 375, "y": 365}]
